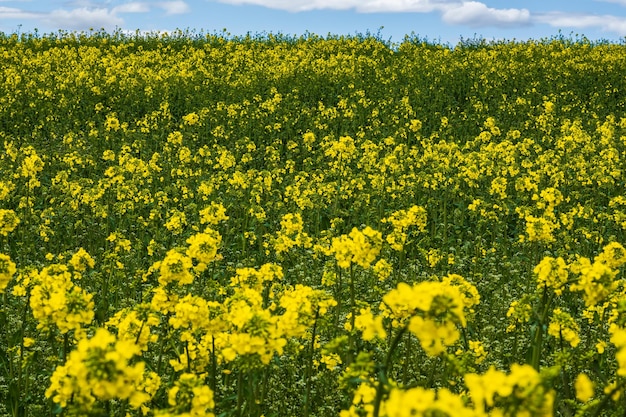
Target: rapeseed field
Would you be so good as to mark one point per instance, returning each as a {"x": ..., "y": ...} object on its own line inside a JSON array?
[{"x": 205, "y": 225}]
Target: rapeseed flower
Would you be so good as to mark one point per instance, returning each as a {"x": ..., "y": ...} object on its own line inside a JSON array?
[
  {"x": 359, "y": 247},
  {"x": 203, "y": 246},
  {"x": 372, "y": 327},
  {"x": 8, "y": 221},
  {"x": 100, "y": 368},
  {"x": 175, "y": 267},
  {"x": 563, "y": 326},
  {"x": 552, "y": 273},
  {"x": 7, "y": 270},
  {"x": 584, "y": 388}
]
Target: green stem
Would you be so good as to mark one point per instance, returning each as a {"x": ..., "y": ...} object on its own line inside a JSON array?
[
  {"x": 380, "y": 388},
  {"x": 352, "y": 312},
  {"x": 188, "y": 357},
  {"x": 538, "y": 342},
  {"x": 407, "y": 356},
  {"x": 66, "y": 346},
  {"x": 239, "y": 394},
  {"x": 307, "y": 395},
  {"x": 339, "y": 299},
  {"x": 213, "y": 366}
]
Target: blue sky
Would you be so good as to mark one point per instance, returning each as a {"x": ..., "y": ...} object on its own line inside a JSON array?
[{"x": 445, "y": 21}]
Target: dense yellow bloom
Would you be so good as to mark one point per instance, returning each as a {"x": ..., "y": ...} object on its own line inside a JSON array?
[
  {"x": 7, "y": 270},
  {"x": 596, "y": 280},
  {"x": 176, "y": 222},
  {"x": 422, "y": 402},
  {"x": 434, "y": 337},
  {"x": 401, "y": 221},
  {"x": 135, "y": 325},
  {"x": 81, "y": 260},
  {"x": 371, "y": 326},
  {"x": 203, "y": 246},
  {"x": 112, "y": 123},
  {"x": 197, "y": 314},
  {"x": 613, "y": 255},
  {"x": 255, "y": 279},
  {"x": 584, "y": 388},
  {"x": 155, "y": 139},
  {"x": 191, "y": 119},
  {"x": 55, "y": 300},
  {"x": 31, "y": 166},
  {"x": 8, "y": 221},
  {"x": 439, "y": 300},
  {"x": 99, "y": 368},
  {"x": 291, "y": 234},
  {"x": 342, "y": 149},
  {"x": 433, "y": 310},
  {"x": 521, "y": 392},
  {"x": 302, "y": 304},
  {"x": 383, "y": 269},
  {"x": 176, "y": 267},
  {"x": 189, "y": 397},
  {"x": 469, "y": 293},
  {"x": 359, "y": 247},
  {"x": 540, "y": 229},
  {"x": 552, "y": 273},
  {"x": 563, "y": 326},
  {"x": 213, "y": 214}
]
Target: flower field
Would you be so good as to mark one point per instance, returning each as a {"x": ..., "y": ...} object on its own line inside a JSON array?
[{"x": 206, "y": 225}]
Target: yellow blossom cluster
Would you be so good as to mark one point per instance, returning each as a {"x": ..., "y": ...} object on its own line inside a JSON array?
[
  {"x": 56, "y": 301},
  {"x": 100, "y": 368},
  {"x": 358, "y": 247},
  {"x": 200, "y": 224}
]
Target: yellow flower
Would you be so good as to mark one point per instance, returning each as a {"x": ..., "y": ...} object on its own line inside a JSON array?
[
  {"x": 99, "y": 368},
  {"x": 613, "y": 255},
  {"x": 552, "y": 273},
  {"x": 175, "y": 268},
  {"x": 112, "y": 123},
  {"x": 563, "y": 326},
  {"x": 8, "y": 221},
  {"x": 433, "y": 337},
  {"x": 584, "y": 388},
  {"x": 7, "y": 270},
  {"x": 371, "y": 326},
  {"x": 81, "y": 260},
  {"x": 213, "y": 214},
  {"x": 383, "y": 269},
  {"x": 176, "y": 222},
  {"x": 191, "y": 119},
  {"x": 360, "y": 247},
  {"x": 478, "y": 349},
  {"x": 203, "y": 246},
  {"x": 539, "y": 229}
]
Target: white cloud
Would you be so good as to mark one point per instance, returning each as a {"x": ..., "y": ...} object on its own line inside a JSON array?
[
  {"x": 622, "y": 2},
  {"x": 365, "y": 6},
  {"x": 174, "y": 7},
  {"x": 83, "y": 18},
  {"x": 415, "y": 6},
  {"x": 90, "y": 15},
  {"x": 476, "y": 14},
  {"x": 606, "y": 23},
  {"x": 471, "y": 13},
  {"x": 13, "y": 13},
  {"x": 133, "y": 7}
]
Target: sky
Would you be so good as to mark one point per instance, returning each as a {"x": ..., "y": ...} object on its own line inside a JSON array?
[{"x": 441, "y": 21}]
